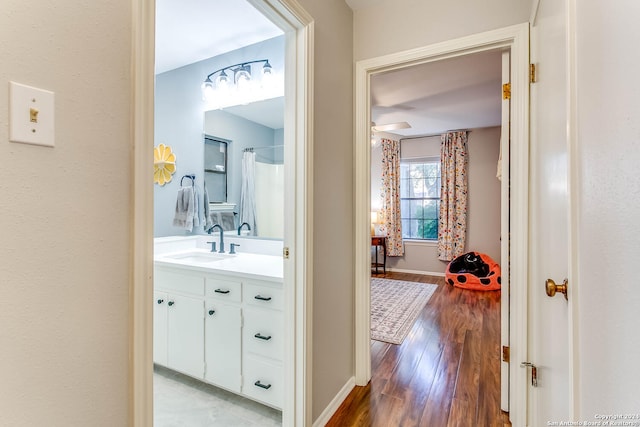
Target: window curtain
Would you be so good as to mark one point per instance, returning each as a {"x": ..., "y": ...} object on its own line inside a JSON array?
[
  {"x": 452, "y": 224},
  {"x": 391, "y": 222},
  {"x": 248, "y": 191}
]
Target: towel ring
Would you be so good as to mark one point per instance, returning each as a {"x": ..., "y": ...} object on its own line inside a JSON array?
[{"x": 191, "y": 177}]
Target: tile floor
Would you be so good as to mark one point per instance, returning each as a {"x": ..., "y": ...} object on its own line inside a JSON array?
[{"x": 181, "y": 401}]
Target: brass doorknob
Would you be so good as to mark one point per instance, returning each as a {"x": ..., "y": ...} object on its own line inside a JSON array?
[{"x": 551, "y": 288}]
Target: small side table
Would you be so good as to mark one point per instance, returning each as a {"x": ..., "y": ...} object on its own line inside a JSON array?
[{"x": 380, "y": 241}]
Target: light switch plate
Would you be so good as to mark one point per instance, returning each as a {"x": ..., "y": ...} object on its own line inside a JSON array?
[{"x": 31, "y": 115}]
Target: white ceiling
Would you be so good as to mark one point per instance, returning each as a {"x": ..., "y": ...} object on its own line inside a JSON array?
[
  {"x": 269, "y": 112},
  {"x": 457, "y": 93},
  {"x": 189, "y": 31},
  {"x": 434, "y": 97},
  {"x": 360, "y": 4}
]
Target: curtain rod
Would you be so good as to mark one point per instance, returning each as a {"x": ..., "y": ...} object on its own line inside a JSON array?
[
  {"x": 263, "y": 148},
  {"x": 434, "y": 134}
]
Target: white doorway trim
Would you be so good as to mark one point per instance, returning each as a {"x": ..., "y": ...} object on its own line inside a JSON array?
[
  {"x": 298, "y": 27},
  {"x": 516, "y": 39}
]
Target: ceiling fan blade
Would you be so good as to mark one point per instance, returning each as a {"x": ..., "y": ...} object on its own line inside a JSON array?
[{"x": 390, "y": 126}]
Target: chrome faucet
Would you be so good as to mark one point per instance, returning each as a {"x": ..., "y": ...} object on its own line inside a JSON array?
[
  {"x": 218, "y": 226},
  {"x": 240, "y": 228}
]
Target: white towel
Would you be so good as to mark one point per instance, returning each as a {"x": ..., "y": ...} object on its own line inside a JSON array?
[
  {"x": 196, "y": 207},
  {"x": 185, "y": 208},
  {"x": 206, "y": 220},
  {"x": 228, "y": 220}
]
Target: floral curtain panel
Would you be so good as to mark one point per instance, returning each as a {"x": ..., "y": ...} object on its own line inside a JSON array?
[
  {"x": 452, "y": 225},
  {"x": 391, "y": 221}
]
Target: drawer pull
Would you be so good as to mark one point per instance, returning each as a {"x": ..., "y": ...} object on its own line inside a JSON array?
[
  {"x": 171, "y": 303},
  {"x": 222, "y": 291},
  {"x": 211, "y": 312},
  {"x": 262, "y": 337},
  {"x": 160, "y": 301},
  {"x": 264, "y": 386},
  {"x": 261, "y": 298}
]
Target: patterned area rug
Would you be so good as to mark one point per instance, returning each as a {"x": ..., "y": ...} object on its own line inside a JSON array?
[{"x": 395, "y": 306}]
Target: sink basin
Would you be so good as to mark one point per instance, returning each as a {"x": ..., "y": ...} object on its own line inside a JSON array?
[{"x": 198, "y": 257}]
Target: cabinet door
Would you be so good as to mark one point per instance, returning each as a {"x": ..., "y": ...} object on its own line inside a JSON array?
[
  {"x": 185, "y": 335},
  {"x": 223, "y": 345},
  {"x": 160, "y": 328}
]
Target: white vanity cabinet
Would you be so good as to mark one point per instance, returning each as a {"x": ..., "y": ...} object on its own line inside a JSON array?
[
  {"x": 179, "y": 322},
  {"x": 225, "y": 330},
  {"x": 263, "y": 342},
  {"x": 160, "y": 328}
]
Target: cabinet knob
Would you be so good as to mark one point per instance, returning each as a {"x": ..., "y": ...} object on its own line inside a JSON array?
[
  {"x": 222, "y": 291},
  {"x": 264, "y": 386},
  {"x": 261, "y": 298},
  {"x": 211, "y": 312},
  {"x": 170, "y": 303},
  {"x": 262, "y": 337},
  {"x": 160, "y": 301}
]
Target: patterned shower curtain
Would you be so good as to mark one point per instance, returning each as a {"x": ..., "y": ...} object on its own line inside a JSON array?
[
  {"x": 452, "y": 225},
  {"x": 391, "y": 221}
]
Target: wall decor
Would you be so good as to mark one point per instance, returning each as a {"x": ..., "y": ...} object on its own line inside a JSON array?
[{"x": 164, "y": 164}]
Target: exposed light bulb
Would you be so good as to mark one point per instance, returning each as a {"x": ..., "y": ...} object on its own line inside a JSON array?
[
  {"x": 242, "y": 73},
  {"x": 222, "y": 81},
  {"x": 207, "y": 89},
  {"x": 267, "y": 69}
]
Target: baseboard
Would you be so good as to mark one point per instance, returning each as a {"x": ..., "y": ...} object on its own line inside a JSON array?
[
  {"x": 333, "y": 406},
  {"x": 426, "y": 273}
]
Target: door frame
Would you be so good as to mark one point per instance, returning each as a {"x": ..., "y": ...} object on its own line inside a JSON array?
[
  {"x": 299, "y": 32},
  {"x": 516, "y": 39}
]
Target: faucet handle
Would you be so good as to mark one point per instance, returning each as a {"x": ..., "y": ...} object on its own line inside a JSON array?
[
  {"x": 233, "y": 248},
  {"x": 213, "y": 246}
]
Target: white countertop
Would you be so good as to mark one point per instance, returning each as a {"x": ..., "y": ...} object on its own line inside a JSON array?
[{"x": 248, "y": 265}]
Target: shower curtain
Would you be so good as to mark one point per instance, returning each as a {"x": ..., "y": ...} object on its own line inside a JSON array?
[{"x": 248, "y": 191}]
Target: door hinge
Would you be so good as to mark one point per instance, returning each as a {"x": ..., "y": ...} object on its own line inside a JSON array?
[
  {"x": 532, "y": 73},
  {"x": 505, "y": 353},
  {"x": 285, "y": 252},
  {"x": 506, "y": 91}
]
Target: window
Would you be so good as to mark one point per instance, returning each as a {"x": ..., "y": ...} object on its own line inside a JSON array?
[
  {"x": 420, "y": 198},
  {"x": 215, "y": 169}
]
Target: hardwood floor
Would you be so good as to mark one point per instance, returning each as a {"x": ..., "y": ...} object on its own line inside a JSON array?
[{"x": 445, "y": 373}]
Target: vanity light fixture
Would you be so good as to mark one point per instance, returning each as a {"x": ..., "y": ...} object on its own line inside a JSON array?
[{"x": 242, "y": 76}]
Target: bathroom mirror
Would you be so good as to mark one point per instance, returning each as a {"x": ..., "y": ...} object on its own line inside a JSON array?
[{"x": 258, "y": 129}]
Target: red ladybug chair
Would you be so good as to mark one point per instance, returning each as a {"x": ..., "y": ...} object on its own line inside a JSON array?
[{"x": 475, "y": 271}]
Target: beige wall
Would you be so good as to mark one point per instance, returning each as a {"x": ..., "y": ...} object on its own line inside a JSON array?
[
  {"x": 64, "y": 218},
  {"x": 607, "y": 205},
  {"x": 483, "y": 221},
  {"x": 333, "y": 307},
  {"x": 396, "y": 25}
]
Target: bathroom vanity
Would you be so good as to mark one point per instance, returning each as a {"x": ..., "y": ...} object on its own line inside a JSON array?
[{"x": 219, "y": 317}]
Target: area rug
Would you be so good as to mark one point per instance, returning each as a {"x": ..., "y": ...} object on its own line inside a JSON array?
[{"x": 395, "y": 306}]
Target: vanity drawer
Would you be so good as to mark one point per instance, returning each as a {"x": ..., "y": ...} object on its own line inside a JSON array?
[
  {"x": 182, "y": 282},
  {"x": 263, "y": 295},
  {"x": 224, "y": 290},
  {"x": 263, "y": 333},
  {"x": 263, "y": 381}
]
